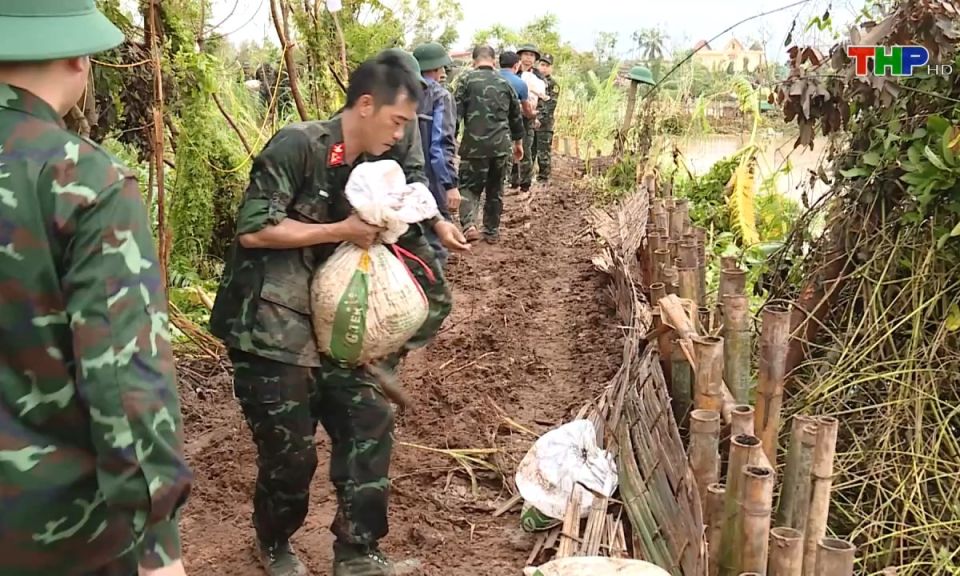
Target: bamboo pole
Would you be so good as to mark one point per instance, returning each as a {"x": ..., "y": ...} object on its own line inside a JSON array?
[
  {"x": 822, "y": 482},
  {"x": 786, "y": 552},
  {"x": 755, "y": 508},
  {"x": 708, "y": 386},
  {"x": 705, "y": 451},
  {"x": 703, "y": 313},
  {"x": 681, "y": 385},
  {"x": 801, "y": 506},
  {"x": 803, "y": 433},
  {"x": 741, "y": 447},
  {"x": 674, "y": 247},
  {"x": 664, "y": 344},
  {"x": 701, "y": 234},
  {"x": 732, "y": 281},
  {"x": 688, "y": 283},
  {"x": 714, "y": 523},
  {"x": 737, "y": 349},
  {"x": 688, "y": 253},
  {"x": 657, "y": 291},
  {"x": 671, "y": 279},
  {"x": 728, "y": 263},
  {"x": 774, "y": 342},
  {"x": 661, "y": 261},
  {"x": 741, "y": 420},
  {"x": 835, "y": 557},
  {"x": 676, "y": 222}
]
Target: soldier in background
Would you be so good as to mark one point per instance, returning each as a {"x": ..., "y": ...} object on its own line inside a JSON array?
[
  {"x": 546, "y": 109},
  {"x": 92, "y": 471},
  {"x": 488, "y": 108},
  {"x": 437, "y": 114},
  {"x": 521, "y": 172}
]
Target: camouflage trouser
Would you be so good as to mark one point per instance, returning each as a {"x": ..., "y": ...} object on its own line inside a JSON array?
[
  {"x": 479, "y": 176},
  {"x": 542, "y": 146},
  {"x": 282, "y": 404},
  {"x": 521, "y": 174}
]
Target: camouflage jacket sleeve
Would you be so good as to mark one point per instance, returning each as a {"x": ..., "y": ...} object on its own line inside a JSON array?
[
  {"x": 548, "y": 108},
  {"x": 116, "y": 304},
  {"x": 277, "y": 173},
  {"x": 460, "y": 98},
  {"x": 413, "y": 160},
  {"x": 515, "y": 119}
]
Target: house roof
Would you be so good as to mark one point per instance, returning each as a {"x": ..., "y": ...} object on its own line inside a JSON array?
[{"x": 701, "y": 44}]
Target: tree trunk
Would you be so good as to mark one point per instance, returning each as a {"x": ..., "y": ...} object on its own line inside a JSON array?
[{"x": 281, "y": 23}]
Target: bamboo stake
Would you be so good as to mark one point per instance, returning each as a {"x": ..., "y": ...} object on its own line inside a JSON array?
[
  {"x": 741, "y": 420},
  {"x": 671, "y": 279},
  {"x": 703, "y": 313},
  {"x": 705, "y": 451},
  {"x": 835, "y": 557},
  {"x": 661, "y": 260},
  {"x": 682, "y": 385},
  {"x": 799, "y": 452},
  {"x": 801, "y": 505},
  {"x": 570, "y": 534},
  {"x": 658, "y": 290},
  {"x": 740, "y": 456},
  {"x": 737, "y": 348},
  {"x": 701, "y": 234},
  {"x": 676, "y": 223},
  {"x": 786, "y": 552},
  {"x": 822, "y": 482},
  {"x": 664, "y": 344},
  {"x": 688, "y": 283},
  {"x": 732, "y": 281},
  {"x": 774, "y": 342},
  {"x": 714, "y": 523},
  {"x": 688, "y": 253},
  {"x": 755, "y": 508},
  {"x": 674, "y": 247},
  {"x": 708, "y": 385}
]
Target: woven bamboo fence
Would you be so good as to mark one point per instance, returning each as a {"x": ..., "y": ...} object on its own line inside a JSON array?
[{"x": 697, "y": 461}]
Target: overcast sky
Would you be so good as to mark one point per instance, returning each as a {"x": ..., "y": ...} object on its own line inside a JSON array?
[{"x": 684, "y": 21}]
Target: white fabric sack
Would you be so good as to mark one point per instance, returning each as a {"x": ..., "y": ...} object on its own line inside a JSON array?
[
  {"x": 366, "y": 304},
  {"x": 559, "y": 460},
  {"x": 595, "y": 566}
]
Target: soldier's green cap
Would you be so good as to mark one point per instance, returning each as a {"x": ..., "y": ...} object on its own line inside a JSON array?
[
  {"x": 529, "y": 48},
  {"x": 641, "y": 75},
  {"x": 548, "y": 58},
  {"x": 431, "y": 56},
  {"x": 37, "y": 30},
  {"x": 408, "y": 59}
]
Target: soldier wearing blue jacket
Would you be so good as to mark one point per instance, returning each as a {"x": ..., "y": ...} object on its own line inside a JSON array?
[{"x": 437, "y": 116}]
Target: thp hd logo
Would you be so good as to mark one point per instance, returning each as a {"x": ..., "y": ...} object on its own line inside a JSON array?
[{"x": 894, "y": 60}]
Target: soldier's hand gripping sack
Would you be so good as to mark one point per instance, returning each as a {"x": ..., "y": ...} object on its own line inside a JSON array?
[{"x": 366, "y": 304}]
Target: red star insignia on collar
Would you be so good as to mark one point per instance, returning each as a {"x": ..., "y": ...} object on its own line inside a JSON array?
[{"x": 336, "y": 155}]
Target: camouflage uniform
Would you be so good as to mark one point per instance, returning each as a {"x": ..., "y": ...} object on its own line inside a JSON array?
[
  {"x": 490, "y": 112},
  {"x": 283, "y": 383},
  {"x": 92, "y": 471},
  {"x": 543, "y": 142}
]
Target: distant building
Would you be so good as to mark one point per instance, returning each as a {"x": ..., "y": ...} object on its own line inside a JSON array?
[{"x": 733, "y": 56}]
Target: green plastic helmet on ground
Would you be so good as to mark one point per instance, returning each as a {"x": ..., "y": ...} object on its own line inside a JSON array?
[
  {"x": 529, "y": 48},
  {"x": 32, "y": 31},
  {"x": 432, "y": 56},
  {"x": 407, "y": 58},
  {"x": 641, "y": 75}
]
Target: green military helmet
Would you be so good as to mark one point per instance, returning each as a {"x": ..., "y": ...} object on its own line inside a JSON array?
[
  {"x": 432, "y": 56},
  {"x": 33, "y": 31},
  {"x": 408, "y": 59},
  {"x": 641, "y": 75},
  {"x": 529, "y": 48}
]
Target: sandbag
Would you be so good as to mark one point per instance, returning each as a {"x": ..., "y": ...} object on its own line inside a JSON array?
[{"x": 366, "y": 304}]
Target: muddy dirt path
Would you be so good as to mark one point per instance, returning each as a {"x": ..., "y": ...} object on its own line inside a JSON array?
[{"x": 531, "y": 339}]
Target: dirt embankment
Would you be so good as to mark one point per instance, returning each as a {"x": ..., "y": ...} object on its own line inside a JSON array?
[{"x": 531, "y": 338}]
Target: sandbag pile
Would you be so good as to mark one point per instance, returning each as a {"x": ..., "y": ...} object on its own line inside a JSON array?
[{"x": 366, "y": 304}]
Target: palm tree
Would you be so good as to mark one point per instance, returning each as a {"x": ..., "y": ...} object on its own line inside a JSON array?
[{"x": 652, "y": 44}]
